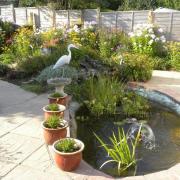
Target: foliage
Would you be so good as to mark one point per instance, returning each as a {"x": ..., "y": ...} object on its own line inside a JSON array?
[
  {"x": 49, "y": 72},
  {"x": 102, "y": 95},
  {"x": 67, "y": 145},
  {"x": 3, "y": 69},
  {"x": 27, "y": 3},
  {"x": 7, "y": 27},
  {"x": 120, "y": 151},
  {"x": 2, "y": 40},
  {"x": 174, "y": 55},
  {"x": 52, "y": 107},
  {"x": 51, "y": 37},
  {"x": 161, "y": 63},
  {"x": 148, "y": 39},
  {"x": 53, "y": 122},
  {"x": 136, "y": 67},
  {"x": 134, "y": 105},
  {"x": 56, "y": 95}
]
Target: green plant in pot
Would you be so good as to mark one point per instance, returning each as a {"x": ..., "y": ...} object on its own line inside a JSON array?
[
  {"x": 54, "y": 128},
  {"x": 68, "y": 153},
  {"x": 58, "y": 98},
  {"x": 53, "y": 109}
]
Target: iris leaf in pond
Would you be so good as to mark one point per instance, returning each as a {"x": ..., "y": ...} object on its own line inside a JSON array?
[{"x": 121, "y": 150}]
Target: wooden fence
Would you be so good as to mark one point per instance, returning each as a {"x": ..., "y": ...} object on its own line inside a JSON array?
[{"x": 43, "y": 17}]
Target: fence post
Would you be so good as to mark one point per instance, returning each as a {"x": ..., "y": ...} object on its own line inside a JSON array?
[
  {"x": 68, "y": 19},
  {"x": 13, "y": 13},
  {"x": 132, "y": 22},
  {"x": 171, "y": 25},
  {"x": 99, "y": 17},
  {"x": 151, "y": 17},
  {"x": 53, "y": 18},
  {"x": 116, "y": 19}
]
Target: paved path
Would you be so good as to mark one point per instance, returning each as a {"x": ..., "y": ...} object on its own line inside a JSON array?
[
  {"x": 167, "y": 82},
  {"x": 23, "y": 155}
]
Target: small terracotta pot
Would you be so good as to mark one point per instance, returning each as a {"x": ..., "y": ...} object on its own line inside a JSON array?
[
  {"x": 52, "y": 135},
  {"x": 68, "y": 161},
  {"x": 60, "y": 100},
  {"x": 59, "y": 113}
]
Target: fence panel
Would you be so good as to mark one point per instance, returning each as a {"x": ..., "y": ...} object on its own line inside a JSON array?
[
  {"x": 46, "y": 18},
  {"x": 121, "y": 20},
  {"x": 61, "y": 18},
  {"x": 7, "y": 13},
  {"x": 20, "y": 16}
]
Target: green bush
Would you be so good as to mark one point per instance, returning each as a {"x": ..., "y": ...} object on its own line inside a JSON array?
[
  {"x": 3, "y": 69},
  {"x": 174, "y": 55},
  {"x": 161, "y": 63},
  {"x": 136, "y": 67}
]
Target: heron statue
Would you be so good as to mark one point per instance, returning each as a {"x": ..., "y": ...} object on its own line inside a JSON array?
[{"x": 65, "y": 59}]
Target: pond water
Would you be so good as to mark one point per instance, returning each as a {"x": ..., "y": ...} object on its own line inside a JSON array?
[{"x": 164, "y": 124}]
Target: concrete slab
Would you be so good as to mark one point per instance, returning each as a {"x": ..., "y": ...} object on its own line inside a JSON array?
[
  {"x": 15, "y": 148},
  {"x": 26, "y": 173}
]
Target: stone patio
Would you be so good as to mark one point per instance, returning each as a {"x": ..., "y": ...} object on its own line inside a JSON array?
[{"x": 23, "y": 154}]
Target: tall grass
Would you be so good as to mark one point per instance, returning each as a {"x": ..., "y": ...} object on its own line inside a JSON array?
[
  {"x": 120, "y": 150},
  {"x": 103, "y": 94}
]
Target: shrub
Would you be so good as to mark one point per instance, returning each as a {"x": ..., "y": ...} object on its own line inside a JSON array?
[
  {"x": 53, "y": 122},
  {"x": 67, "y": 145},
  {"x": 174, "y": 55},
  {"x": 136, "y": 67},
  {"x": 161, "y": 63},
  {"x": 102, "y": 95},
  {"x": 3, "y": 69},
  {"x": 148, "y": 39},
  {"x": 53, "y": 107},
  {"x": 120, "y": 151}
]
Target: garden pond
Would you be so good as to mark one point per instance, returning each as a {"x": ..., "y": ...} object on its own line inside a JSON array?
[{"x": 162, "y": 150}]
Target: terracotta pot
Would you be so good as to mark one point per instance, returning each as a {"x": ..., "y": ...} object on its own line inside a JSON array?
[
  {"x": 60, "y": 100},
  {"x": 68, "y": 161},
  {"x": 59, "y": 113},
  {"x": 52, "y": 135}
]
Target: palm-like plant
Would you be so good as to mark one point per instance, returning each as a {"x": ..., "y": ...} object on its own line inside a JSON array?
[{"x": 121, "y": 151}]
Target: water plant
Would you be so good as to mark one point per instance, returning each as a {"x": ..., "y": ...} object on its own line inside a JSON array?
[
  {"x": 53, "y": 107},
  {"x": 102, "y": 94},
  {"x": 67, "y": 145},
  {"x": 120, "y": 150},
  {"x": 54, "y": 122}
]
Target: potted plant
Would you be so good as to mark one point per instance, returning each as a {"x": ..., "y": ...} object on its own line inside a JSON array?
[
  {"x": 58, "y": 98},
  {"x": 68, "y": 153},
  {"x": 53, "y": 109},
  {"x": 54, "y": 128}
]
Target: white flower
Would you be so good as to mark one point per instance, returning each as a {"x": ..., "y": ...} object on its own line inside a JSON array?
[
  {"x": 76, "y": 29},
  {"x": 146, "y": 35},
  {"x": 139, "y": 33},
  {"x": 131, "y": 34},
  {"x": 134, "y": 43},
  {"x": 163, "y": 39},
  {"x": 160, "y": 30},
  {"x": 157, "y": 39},
  {"x": 150, "y": 42},
  {"x": 150, "y": 30},
  {"x": 140, "y": 45},
  {"x": 153, "y": 36}
]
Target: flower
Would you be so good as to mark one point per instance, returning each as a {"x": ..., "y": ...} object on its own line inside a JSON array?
[
  {"x": 163, "y": 39},
  {"x": 153, "y": 36},
  {"x": 160, "y": 30},
  {"x": 150, "y": 42},
  {"x": 131, "y": 34},
  {"x": 150, "y": 30}
]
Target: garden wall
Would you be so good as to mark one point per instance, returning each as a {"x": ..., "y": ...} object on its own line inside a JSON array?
[{"x": 43, "y": 17}]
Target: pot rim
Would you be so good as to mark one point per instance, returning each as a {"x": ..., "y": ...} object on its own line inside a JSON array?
[
  {"x": 61, "y": 108},
  {"x": 69, "y": 153},
  {"x": 49, "y": 97},
  {"x": 49, "y": 129}
]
